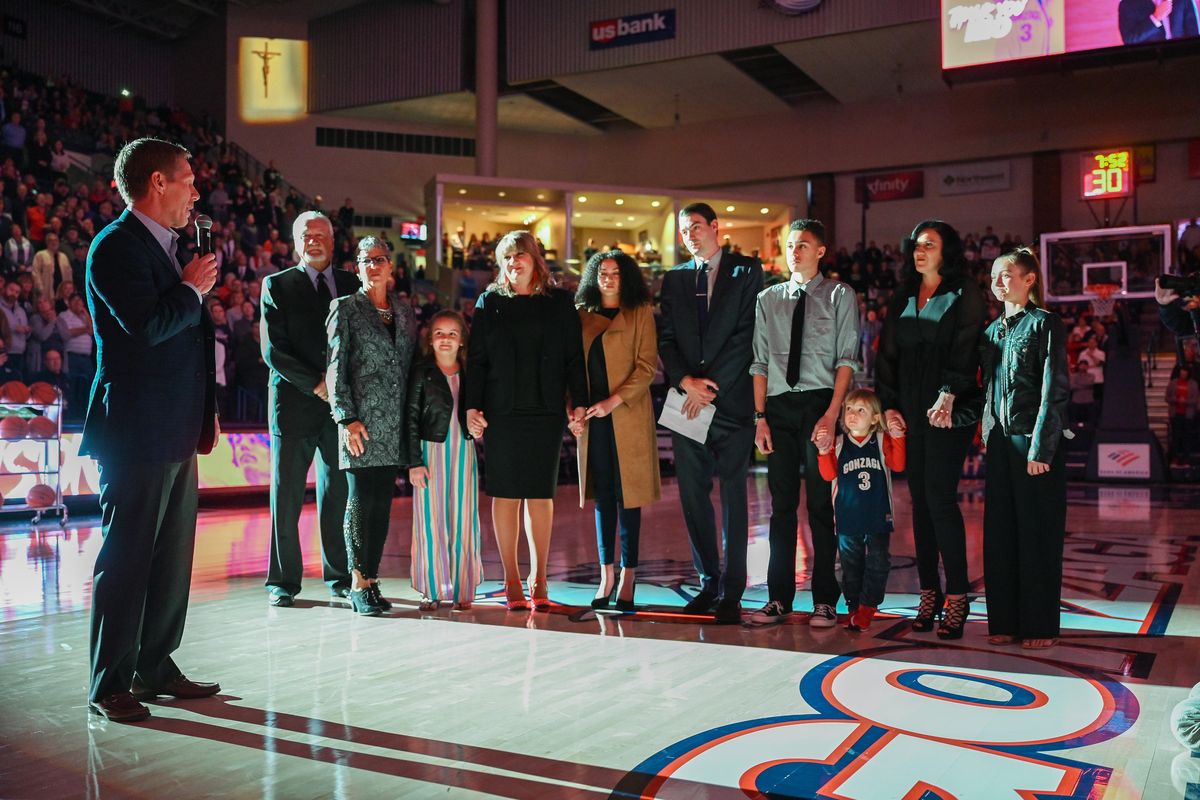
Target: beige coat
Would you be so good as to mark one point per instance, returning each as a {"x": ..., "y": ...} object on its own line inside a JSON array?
[{"x": 631, "y": 356}]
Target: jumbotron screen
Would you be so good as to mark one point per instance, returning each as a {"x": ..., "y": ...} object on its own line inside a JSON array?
[{"x": 978, "y": 32}]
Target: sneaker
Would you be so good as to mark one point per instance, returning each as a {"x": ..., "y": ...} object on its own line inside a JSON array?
[
  {"x": 771, "y": 614},
  {"x": 823, "y": 616},
  {"x": 860, "y": 620}
]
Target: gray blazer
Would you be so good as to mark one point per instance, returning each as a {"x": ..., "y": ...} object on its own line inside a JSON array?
[{"x": 368, "y": 376}]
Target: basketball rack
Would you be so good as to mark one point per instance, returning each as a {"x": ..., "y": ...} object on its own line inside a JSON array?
[{"x": 46, "y": 466}]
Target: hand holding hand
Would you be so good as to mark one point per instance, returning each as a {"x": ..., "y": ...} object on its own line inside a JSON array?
[
  {"x": 357, "y": 438},
  {"x": 823, "y": 432},
  {"x": 894, "y": 420},
  {"x": 576, "y": 428},
  {"x": 475, "y": 422},
  {"x": 418, "y": 476},
  {"x": 604, "y": 407},
  {"x": 201, "y": 272}
]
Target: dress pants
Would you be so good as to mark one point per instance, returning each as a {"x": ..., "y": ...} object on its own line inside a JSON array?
[
  {"x": 1024, "y": 524},
  {"x": 368, "y": 514},
  {"x": 604, "y": 469},
  {"x": 934, "y": 467},
  {"x": 792, "y": 417},
  {"x": 143, "y": 573},
  {"x": 726, "y": 453},
  {"x": 291, "y": 457}
]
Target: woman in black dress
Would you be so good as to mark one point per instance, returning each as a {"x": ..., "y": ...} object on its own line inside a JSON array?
[
  {"x": 524, "y": 363},
  {"x": 926, "y": 377}
]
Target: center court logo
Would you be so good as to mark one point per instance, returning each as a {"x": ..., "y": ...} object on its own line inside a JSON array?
[
  {"x": 652, "y": 26},
  {"x": 889, "y": 724}
]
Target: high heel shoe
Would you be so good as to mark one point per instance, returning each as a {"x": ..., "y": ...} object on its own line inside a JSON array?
[
  {"x": 627, "y": 605},
  {"x": 928, "y": 610},
  {"x": 603, "y": 602},
  {"x": 539, "y": 594},
  {"x": 362, "y": 603},
  {"x": 514, "y": 596},
  {"x": 377, "y": 597},
  {"x": 954, "y": 617}
]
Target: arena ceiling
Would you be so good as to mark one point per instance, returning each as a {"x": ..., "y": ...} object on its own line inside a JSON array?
[{"x": 883, "y": 65}]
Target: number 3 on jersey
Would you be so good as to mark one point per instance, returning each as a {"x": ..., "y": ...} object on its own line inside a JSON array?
[{"x": 864, "y": 481}]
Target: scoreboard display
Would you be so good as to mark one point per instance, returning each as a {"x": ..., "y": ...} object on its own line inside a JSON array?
[{"x": 1106, "y": 173}]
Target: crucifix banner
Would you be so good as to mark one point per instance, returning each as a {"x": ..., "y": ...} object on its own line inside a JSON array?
[{"x": 272, "y": 78}]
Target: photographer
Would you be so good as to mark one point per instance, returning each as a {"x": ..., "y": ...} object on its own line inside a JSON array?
[{"x": 1180, "y": 315}]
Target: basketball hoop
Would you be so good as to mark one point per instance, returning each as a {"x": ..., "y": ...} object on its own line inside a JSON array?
[{"x": 1102, "y": 298}]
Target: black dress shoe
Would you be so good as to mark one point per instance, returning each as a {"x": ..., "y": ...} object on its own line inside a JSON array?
[
  {"x": 281, "y": 598},
  {"x": 119, "y": 707},
  {"x": 727, "y": 613},
  {"x": 362, "y": 601},
  {"x": 701, "y": 603},
  {"x": 179, "y": 687}
]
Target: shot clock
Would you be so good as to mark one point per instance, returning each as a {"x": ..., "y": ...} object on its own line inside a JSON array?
[{"x": 1106, "y": 173}]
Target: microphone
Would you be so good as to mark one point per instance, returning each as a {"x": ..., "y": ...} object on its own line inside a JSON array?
[{"x": 204, "y": 234}]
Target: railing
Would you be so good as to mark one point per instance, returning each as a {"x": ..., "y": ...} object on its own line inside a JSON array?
[{"x": 254, "y": 168}]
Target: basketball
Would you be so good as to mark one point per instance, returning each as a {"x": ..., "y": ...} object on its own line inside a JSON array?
[
  {"x": 43, "y": 393},
  {"x": 40, "y": 496},
  {"x": 42, "y": 428},
  {"x": 13, "y": 428},
  {"x": 14, "y": 392}
]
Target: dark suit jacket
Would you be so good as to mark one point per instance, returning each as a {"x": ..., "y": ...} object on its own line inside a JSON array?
[
  {"x": 491, "y": 354},
  {"x": 295, "y": 348},
  {"x": 154, "y": 395},
  {"x": 727, "y": 348},
  {"x": 1136, "y": 27}
]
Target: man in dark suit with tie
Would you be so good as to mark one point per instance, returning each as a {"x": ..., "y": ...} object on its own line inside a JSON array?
[
  {"x": 152, "y": 408},
  {"x": 1148, "y": 21},
  {"x": 295, "y": 303},
  {"x": 705, "y": 341}
]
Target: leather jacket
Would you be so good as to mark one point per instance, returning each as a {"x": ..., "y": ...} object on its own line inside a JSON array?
[
  {"x": 430, "y": 404},
  {"x": 1026, "y": 382}
]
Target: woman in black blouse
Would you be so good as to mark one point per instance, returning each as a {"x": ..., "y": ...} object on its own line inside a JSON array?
[
  {"x": 525, "y": 357},
  {"x": 927, "y": 378}
]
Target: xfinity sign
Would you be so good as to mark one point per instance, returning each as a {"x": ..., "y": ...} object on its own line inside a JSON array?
[{"x": 653, "y": 26}]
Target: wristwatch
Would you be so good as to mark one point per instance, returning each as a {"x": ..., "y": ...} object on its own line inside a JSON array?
[{"x": 759, "y": 415}]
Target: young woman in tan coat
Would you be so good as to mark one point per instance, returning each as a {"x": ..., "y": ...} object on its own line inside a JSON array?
[{"x": 618, "y": 450}]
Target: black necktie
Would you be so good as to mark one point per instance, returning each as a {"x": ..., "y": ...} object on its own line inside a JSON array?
[
  {"x": 702, "y": 295},
  {"x": 794, "y": 351},
  {"x": 323, "y": 295}
]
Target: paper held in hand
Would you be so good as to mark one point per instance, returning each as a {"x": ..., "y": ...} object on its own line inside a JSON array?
[{"x": 673, "y": 418}]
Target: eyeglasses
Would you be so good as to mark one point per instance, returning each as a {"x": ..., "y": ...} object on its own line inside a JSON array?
[{"x": 378, "y": 261}]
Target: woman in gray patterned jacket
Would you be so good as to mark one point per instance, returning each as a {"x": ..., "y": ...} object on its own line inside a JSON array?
[{"x": 371, "y": 341}]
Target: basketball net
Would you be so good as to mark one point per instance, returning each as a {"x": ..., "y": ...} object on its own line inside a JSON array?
[{"x": 1102, "y": 298}]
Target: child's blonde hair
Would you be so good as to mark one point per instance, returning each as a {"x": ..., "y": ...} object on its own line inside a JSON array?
[{"x": 871, "y": 401}]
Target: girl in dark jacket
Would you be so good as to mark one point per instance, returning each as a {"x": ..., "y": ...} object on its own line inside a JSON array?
[
  {"x": 446, "y": 564},
  {"x": 1024, "y": 414}
]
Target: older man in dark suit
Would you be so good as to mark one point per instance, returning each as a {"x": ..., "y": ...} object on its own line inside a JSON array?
[
  {"x": 705, "y": 341},
  {"x": 152, "y": 408},
  {"x": 295, "y": 303}
]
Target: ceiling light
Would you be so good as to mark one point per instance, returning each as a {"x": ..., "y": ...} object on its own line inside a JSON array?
[
  {"x": 470, "y": 209},
  {"x": 577, "y": 215},
  {"x": 730, "y": 225},
  {"x": 462, "y": 191},
  {"x": 655, "y": 203},
  {"x": 764, "y": 210},
  {"x": 729, "y": 208},
  {"x": 582, "y": 198},
  {"x": 502, "y": 194},
  {"x": 619, "y": 201},
  {"x": 541, "y": 197},
  {"x": 629, "y": 218},
  {"x": 620, "y": 224}
]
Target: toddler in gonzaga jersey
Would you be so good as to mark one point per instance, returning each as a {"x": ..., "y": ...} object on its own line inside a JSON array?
[{"x": 859, "y": 467}]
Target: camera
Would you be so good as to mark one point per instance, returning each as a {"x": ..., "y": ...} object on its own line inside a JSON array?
[{"x": 1184, "y": 285}]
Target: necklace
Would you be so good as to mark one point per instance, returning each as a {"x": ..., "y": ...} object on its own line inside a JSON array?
[{"x": 385, "y": 314}]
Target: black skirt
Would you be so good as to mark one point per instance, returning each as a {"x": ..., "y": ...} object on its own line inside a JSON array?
[{"x": 522, "y": 454}]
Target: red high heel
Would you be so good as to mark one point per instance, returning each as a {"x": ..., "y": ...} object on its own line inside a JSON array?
[
  {"x": 539, "y": 593},
  {"x": 514, "y": 596}
]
